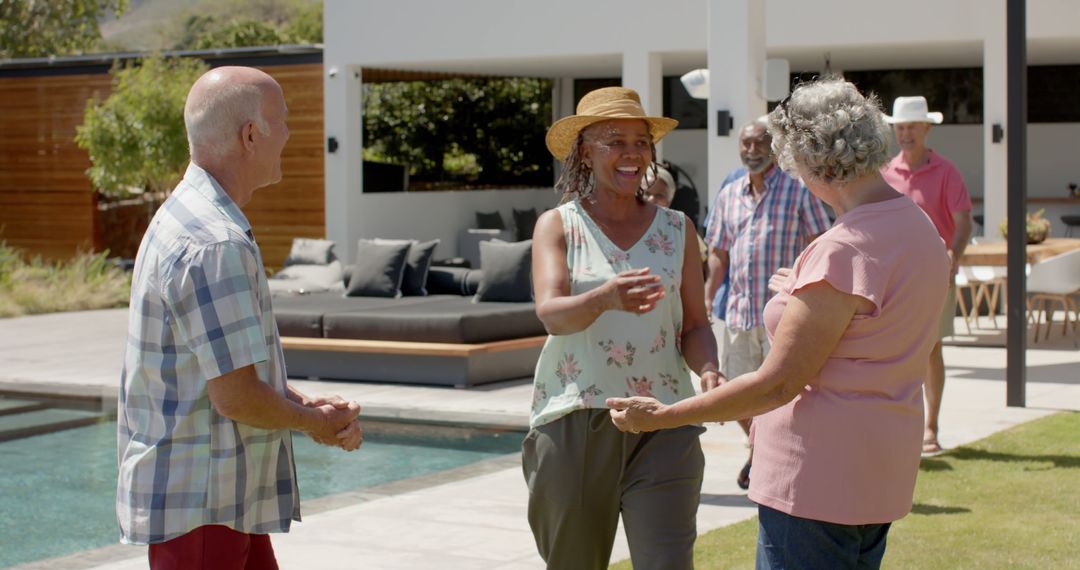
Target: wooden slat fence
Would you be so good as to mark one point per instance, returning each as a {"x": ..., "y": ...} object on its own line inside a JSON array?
[{"x": 48, "y": 205}]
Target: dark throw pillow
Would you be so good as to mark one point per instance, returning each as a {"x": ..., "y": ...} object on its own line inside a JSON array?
[
  {"x": 307, "y": 251},
  {"x": 507, "y": 272},
  {"x": 416, "y": 268},
  {"x": 524, "y": 222},
  {"x": 490, "y": 221},
  {"x": 379, "y": 269}
]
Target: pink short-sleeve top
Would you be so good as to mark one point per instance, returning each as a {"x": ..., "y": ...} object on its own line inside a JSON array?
[{"x": 846, "y": 450}]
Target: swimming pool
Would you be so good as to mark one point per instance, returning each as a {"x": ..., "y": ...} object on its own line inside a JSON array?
[{"x": 58, "y": 490}]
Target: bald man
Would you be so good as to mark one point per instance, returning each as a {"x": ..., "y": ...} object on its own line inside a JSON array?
[{"x": 205, "y": 412}]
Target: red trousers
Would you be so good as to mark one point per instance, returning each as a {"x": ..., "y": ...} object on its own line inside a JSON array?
[{"x": 214, "y": 547}]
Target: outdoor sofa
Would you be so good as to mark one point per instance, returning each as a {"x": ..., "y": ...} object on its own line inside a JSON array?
[{"x": 449, "y": 326}]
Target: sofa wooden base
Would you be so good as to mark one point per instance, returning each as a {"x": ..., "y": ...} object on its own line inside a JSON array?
[{"x": 445, "y": 364}]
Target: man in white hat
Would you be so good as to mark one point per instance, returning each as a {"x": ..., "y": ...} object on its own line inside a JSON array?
[{"x": 936, "y": 186}]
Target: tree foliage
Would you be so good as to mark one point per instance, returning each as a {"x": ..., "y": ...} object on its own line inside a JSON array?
[
  {"x": 42, "y": 28},
  {"x": 136, "y": 137},
  {"x": 249, "y": 24},
  {"x": 433, "y": 126}
]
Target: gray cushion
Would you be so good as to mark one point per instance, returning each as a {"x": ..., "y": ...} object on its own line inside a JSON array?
[
  {"x": 437, "y": 318},
  {"x": 301, "y": 315},
  {"x": 308, "y": 279},
  {"x": 524, "y": 222},
  {"x": 453, "y": 281},
  {"x": 507, "y": 272},
  {"x": 379, "y": 269},
  {"x": 308, "y": 251},
  {"x": 417, "y": 265},
  {"x": 490, "y": 221}
]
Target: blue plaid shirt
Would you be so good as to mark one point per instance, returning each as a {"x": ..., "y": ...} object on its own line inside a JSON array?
[
  {"x": 200, "y": 308},
  {"x": 760, "y": 237}
]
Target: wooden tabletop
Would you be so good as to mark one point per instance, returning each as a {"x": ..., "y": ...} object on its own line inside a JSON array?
[{"x": 995, "y": 253}]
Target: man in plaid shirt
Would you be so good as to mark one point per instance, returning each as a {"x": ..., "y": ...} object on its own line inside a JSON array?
[
  {"x": 205, "y": 449},
  {"x": 759, "y": 222}
]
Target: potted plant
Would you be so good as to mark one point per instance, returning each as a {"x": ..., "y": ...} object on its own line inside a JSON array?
[{"x": 1037, "y": 227}]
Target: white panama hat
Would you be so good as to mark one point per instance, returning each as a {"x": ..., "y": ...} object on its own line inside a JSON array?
[{"x": 912, "y": 110}]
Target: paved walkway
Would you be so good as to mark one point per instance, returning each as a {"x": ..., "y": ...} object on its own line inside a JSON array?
[{"x": 474, "y": 517}]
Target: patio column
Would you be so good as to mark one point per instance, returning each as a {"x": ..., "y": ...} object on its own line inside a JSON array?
[
  {"x": 1016, "y": 130},
  {"x": 736, "y": 55},
  {"x": 344, "y": 165},
  {"x": 643, "y": 72},
  {"x": 995, "y": 159}
]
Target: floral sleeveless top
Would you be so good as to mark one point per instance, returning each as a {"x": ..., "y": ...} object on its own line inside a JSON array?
[{"x": 621, "y": 354}]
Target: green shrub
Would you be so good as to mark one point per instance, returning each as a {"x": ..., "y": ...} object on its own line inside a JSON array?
[{"x": 136, "y": 137}]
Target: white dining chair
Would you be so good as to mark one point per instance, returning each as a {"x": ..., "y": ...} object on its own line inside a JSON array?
[
  {"x": 986, "y": 283},
  {"x": 1055, "y": 280}
]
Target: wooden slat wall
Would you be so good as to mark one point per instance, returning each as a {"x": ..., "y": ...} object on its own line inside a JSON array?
[
  {"x": 48, "y": 205},
  {"x": 295, "y": 206}
]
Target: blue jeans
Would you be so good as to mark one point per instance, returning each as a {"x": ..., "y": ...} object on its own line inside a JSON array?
[{"x": 786, "y": 542}]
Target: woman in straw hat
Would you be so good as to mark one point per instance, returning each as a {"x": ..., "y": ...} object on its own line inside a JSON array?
[
  {"x": 837, "y": 404},
  {"x": 625, "y": 310}
]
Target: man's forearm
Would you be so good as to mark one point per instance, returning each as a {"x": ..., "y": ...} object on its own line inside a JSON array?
[
  {"x": 962, "y": 233},
  {"x": 242, "y": 397},
  {"x": 718, "y": 267}
]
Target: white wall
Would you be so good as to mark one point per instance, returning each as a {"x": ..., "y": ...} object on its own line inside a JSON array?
[
  {"x": 688, "y": 149},
  {"x": 390, "y": 32}
]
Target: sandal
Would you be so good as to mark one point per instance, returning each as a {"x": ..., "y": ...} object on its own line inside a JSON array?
[
  {"x": 743, "y": 480},
  {"x": 931, "y": 447}
]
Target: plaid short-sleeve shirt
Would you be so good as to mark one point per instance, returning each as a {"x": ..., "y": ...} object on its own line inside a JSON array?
[
  {"x": 200, "y": 308},
  {"x": 760, "y": 237}
]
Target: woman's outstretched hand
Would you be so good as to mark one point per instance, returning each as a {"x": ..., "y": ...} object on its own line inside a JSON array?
[
  {"x": 635, "y": 291},
  {"x": 777, "y": 280},
  {"x": 635, "y": 414}
]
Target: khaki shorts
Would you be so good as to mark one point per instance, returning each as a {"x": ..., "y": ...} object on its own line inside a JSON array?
[
  {"x": 740, "y": 351},
  {"x": 948, "y": 314}
]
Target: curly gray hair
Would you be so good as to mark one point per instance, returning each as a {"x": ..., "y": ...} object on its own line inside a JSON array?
[{"x": 828, "y": 131}]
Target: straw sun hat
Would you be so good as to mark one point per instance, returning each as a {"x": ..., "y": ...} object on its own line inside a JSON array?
[{"x": 603, "y": 105}]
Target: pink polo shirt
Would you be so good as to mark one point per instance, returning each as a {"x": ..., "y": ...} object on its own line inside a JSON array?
[
  {"x": 846, "y": 450},
  {"x": 936, "y": 187}
]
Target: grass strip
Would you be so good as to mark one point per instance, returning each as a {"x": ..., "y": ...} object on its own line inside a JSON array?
[{"x": 1011, "y": 500}]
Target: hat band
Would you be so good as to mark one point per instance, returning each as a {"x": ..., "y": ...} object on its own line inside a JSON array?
[{"x": 615, "y": 109}]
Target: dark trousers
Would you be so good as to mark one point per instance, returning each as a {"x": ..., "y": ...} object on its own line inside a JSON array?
[
  {"x": 582, "y": 472},
  {"x": 214, "y": 547},
  {"x": 787, "y": 543}
]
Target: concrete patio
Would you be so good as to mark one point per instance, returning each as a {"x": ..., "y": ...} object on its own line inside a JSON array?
[{"x": 474, "y": 517}]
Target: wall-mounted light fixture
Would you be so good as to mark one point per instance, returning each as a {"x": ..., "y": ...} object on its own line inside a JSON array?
[{"x": 724, "y": 123}]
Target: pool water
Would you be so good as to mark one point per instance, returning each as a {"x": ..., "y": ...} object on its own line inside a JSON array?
[{"x": 58, "y": 490}]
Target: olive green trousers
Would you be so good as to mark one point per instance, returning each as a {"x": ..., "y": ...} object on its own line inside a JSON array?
[{"x": 582, "y": 472}]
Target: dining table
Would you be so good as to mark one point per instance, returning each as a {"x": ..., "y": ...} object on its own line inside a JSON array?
[{"x": 996, "y": 252}]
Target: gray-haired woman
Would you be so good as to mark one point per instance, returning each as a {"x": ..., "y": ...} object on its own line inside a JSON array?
[
  {"x": 838, "y": 401},
  {"x": 626, "y": 311}
]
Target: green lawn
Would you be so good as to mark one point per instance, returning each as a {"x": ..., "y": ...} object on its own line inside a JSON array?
[{"x": 1011, "y": 500}]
